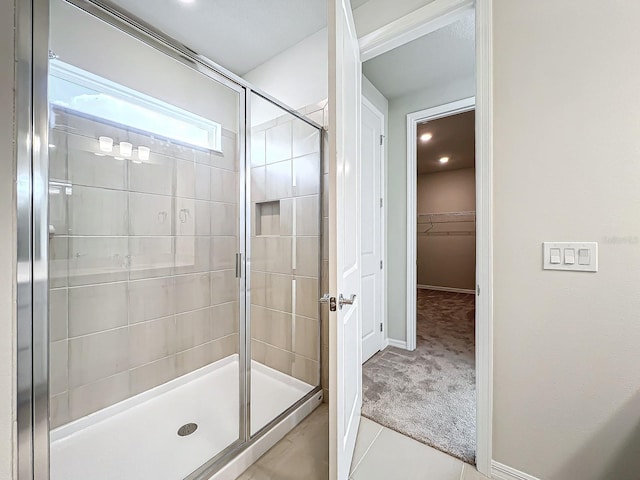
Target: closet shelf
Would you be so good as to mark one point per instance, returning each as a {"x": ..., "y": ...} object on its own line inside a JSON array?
[{"x": 447, "y": 223}]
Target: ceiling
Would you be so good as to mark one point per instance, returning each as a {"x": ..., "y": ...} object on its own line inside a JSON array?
[
  {"x": 452, "y": 137},
  {"x": 238, "y": 35},
  {"x": 432, "y": 60},
  {"x": 357, "y": 3}
]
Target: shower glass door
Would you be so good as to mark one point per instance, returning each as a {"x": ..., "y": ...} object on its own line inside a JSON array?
[
  {"x": 146, "y": 345},
  {"x": 285, "y": 247}
]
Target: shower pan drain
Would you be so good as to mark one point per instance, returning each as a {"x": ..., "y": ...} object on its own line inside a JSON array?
[{"x": 187, "y": 429}]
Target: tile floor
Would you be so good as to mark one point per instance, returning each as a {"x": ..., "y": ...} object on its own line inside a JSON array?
[{"x": 380, "y": 454}]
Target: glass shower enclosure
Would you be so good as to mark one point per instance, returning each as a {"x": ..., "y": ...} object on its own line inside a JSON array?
[{"x": 184, "y": 255}]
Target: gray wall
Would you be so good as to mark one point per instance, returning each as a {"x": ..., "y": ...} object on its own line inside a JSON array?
[
  {"x": 447, "y": 260},
  {"x": 397, "y": 192},
  {"x": 7, "y": 240},
  {"x": 567, "y": 167}
]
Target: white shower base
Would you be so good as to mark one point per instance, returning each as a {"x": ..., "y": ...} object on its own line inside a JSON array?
[{"x": 137, "y": 438}]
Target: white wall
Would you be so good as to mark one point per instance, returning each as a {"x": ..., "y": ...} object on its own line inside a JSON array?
[
  {"x": 371, "y": 93},
  {"x": 397, "y": 192},
  {"x": 377, "y": 13},
  {"x": 567, "y": 167},
  {"x": 7, "y": 241},
  {"x": 103, "y": 50},
  {"x": 299, "y": 75}
]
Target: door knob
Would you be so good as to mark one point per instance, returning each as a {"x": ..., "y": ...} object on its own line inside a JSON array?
[
  {"x": 346, "y": 301},
  {"x": 327, "y": 298}
]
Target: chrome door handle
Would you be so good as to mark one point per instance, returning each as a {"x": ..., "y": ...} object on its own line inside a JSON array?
[
  {"x": 327, "y": 298},
  {"x": 346, "y": 301}
]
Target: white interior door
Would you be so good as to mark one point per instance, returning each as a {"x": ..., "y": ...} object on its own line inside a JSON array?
[
  {"x": 371, "y": 230},
  {"x": 345, "y": 354}
]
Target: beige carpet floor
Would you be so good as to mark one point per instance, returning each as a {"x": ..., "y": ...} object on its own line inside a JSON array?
[{"x": 429, "y": 394}]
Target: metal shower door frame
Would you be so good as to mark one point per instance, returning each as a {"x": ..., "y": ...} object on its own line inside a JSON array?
[{"x": 32, "y": 163}]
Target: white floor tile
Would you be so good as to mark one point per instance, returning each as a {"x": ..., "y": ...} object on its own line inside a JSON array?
[
  {"x": 393, "y": 455},
  {"x": 367, "y": 433}
]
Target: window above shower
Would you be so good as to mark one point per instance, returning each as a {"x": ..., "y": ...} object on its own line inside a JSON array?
[{"x": 85, "y": 93}]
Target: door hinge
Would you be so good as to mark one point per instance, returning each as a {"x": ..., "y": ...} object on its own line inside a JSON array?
[
  {"x": 380, "y": 327},
  {"x": 478, "y": 290},
  {"x": 380, "y": 264},
  {"x": 381, "y": 139},
  {"x": 380, "y": 202}
]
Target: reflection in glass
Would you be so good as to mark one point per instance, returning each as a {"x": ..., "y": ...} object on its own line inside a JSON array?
[
  {"x": 144, "y": 298},
  {"x": 285, "y": 248}
]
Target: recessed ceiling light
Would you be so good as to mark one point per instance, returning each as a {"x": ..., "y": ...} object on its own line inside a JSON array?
[
  {"x": 425, "y": 137},
  {"x": 187, "y": 1},
  {"x": 444, "y": 159}
]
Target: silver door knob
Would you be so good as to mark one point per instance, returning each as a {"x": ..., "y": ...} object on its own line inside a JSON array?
[
  {"x": 346, "y": 301},
  {"x": 327, "y": 298}
]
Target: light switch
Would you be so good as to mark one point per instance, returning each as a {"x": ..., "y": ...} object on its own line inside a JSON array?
[
  {"x": 584, "y": 258},
  {"x": 569, "y": 256}
]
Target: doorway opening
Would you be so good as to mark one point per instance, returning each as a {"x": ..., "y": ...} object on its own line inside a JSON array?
[
  {"x": 445, "y": 253},
  {"x": 423, "y": 381}
]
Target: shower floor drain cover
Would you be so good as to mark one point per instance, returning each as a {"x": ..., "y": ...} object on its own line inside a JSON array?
[{"x": 187, "y": 429}]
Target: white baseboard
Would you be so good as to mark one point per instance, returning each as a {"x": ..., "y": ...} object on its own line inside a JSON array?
[
  {"x": 500, "y": 471},
  {"x": 396, "y": 343},
  {"x": 447, "y": 289}
]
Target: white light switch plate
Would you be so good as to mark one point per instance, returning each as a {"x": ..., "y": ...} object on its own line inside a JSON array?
[{"x": 572, "y": 256}]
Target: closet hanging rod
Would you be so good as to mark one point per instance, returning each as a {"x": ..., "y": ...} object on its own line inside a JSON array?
[
  {"x": 447, "y": 234},
  {"x": 446, "y": 217}
]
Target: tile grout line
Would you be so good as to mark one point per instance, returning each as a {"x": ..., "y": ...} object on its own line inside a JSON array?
[{"x": 367, "y": 449}]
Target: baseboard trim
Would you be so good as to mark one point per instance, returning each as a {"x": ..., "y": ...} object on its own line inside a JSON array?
[
  {"x": 500, "y": 471},
  {"x": 396, "y": 343},
  {"x": 447, "y": 289}
]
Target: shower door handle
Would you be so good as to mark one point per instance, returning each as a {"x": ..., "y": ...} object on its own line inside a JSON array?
[
  {"x": 346, "y": 301},
  {"x": 238, "y": 265}
]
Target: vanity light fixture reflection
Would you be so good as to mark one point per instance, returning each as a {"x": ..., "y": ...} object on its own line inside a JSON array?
[
  {"x": 143, "y": 153},
  {"x": 126, "y": 149},
  {"x": 106, "y": 144}
]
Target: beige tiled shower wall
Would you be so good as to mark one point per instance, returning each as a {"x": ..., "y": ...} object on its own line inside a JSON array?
[
  {"x": 286, "y": 186},
  {"x": 142, "y": 270}
]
